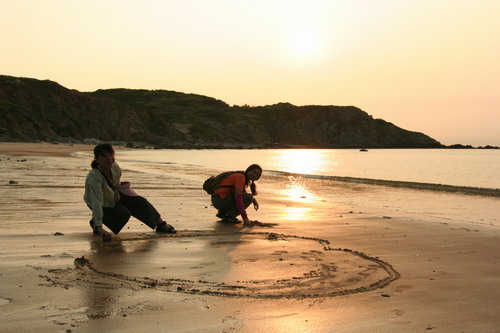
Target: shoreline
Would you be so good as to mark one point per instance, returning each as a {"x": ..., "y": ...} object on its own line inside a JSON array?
[
  {"x": 201, "y": 146},
  {"x": 447, "y": 271}
]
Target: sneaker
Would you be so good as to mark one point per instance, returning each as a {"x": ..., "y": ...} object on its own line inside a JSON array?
[
  {"x": 165, "y": 228},
  {"x": 94, "y": 229},
  {"x": 230, "y": 219}
]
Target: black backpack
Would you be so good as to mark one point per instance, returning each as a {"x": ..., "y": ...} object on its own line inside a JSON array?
[{"x": 212, "y": 183}]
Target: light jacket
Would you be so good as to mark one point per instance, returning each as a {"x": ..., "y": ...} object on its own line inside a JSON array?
[{"x": 99, "y": 194}]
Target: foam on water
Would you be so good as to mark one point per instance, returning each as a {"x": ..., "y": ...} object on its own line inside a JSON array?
[{"x": 488, "y": 192}]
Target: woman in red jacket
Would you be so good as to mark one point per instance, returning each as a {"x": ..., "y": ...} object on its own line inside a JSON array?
[{"x": 231, "y": 198}]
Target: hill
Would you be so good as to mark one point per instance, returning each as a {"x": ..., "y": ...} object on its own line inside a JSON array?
[{"x": 33, "y": 110}]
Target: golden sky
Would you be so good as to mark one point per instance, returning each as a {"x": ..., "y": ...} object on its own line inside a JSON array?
[{"x": 431, "y": 66}]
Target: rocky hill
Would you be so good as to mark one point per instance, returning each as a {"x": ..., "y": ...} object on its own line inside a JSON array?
[{"x": 32, "y": 110}]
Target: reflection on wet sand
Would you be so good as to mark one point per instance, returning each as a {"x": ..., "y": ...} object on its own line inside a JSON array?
[
  {"x": 296, "y": 192},
  {"x": 118, "y": 255},
  {"x": 296, "y": 189}
]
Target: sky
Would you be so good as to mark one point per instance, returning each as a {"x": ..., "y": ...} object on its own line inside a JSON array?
[{"x": 430, "y": 66}]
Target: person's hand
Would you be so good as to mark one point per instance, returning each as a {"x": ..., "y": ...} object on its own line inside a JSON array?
[
  {"x": 106, "y": 236},
  {"x": 247, "y": 222},
  {"x": 255, "y": 204}
]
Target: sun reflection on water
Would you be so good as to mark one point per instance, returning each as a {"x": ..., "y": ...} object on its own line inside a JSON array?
[
  {"x": 300, "y": 161},
  {"x": 296, "y": 189},
  {"x": 306, "y": 161},
  {"x": 297, "y": 192}
]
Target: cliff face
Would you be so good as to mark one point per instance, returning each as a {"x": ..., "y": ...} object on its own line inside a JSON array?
[{"x": 43, "y": 110}]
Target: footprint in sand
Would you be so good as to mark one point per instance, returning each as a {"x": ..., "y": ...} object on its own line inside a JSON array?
[
  {"x": 233, "y": 324},
  {"x": 4, "y": 301}
]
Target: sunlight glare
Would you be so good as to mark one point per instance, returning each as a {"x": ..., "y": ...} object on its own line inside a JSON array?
[
  {"x": 295, "y": 189},
  {"x": 304, "y": 161},
  {"x": 305, "y": 42},
  {"x": 297, "y": 213},
  {"x": 302, "y": 29}
]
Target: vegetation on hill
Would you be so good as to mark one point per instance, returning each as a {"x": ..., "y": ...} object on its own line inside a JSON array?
[{"x": 44, "y": 110}]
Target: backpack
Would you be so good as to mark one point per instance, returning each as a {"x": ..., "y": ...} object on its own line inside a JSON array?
[{"x": 212, "y": 183}]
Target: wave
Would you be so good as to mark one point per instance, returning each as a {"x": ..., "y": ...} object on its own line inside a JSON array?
[{"x": 469, "y": 190}]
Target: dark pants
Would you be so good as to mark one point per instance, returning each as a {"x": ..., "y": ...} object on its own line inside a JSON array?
[
  {"x": 115, "y": 218},
  {"x": 227, "y": 206}
]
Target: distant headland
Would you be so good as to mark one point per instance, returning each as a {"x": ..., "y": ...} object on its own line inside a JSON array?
[{"x": 34, "y": 110}]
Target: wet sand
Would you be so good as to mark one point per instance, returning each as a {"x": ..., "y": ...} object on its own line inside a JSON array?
[{"x": 311, "y": 266}]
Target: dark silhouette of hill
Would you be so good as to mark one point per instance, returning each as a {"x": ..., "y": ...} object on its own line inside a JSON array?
[{"x": 33, "y": 110}]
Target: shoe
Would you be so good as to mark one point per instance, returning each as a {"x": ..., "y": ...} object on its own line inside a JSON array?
[
  {"x": 230, "y": 219},
  {"x": 165, "y": 228},
  {"x": 220, "y": 215},
  {"x": 94, "y": 228}
]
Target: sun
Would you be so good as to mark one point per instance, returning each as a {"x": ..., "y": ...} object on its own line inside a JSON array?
[
  {"x": 302, "y": 29},
  {"x": 304, "y": 41}
]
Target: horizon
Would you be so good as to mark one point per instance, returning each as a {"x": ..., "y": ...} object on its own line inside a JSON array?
[{"x": 425, "y": 67}]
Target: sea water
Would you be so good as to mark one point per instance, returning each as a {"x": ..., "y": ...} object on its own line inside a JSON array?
[
  {"x": 447, "y": 184},
  {"x": 460, "y": 167}
]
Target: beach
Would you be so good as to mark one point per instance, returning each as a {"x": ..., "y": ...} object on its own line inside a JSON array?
[{"x": 309, "y": 266}]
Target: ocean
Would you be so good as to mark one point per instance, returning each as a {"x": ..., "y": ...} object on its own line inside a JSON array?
[
  {"x": 455, "y": 167},
  {"x": 446, "y": 184}
]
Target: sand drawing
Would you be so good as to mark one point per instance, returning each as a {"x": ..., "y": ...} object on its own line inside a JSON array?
[{"x": 277, "y": 266}]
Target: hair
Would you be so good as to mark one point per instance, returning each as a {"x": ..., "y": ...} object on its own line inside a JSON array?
[
  {"x": 101, "y": 150},
  {"x": 253, "y": 187}
]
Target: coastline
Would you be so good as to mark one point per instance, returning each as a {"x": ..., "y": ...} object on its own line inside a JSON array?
[
  {"x": 443, "y": 275},
  {"x": 200, "y": 146}
]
